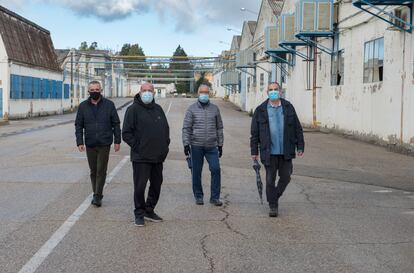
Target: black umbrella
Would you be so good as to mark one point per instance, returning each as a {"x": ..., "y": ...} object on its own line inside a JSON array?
[
  {"x": 189, "y": 163},
  {"x": 256, "y": 167}
]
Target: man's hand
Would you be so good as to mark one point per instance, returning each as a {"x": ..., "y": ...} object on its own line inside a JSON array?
[
  {"x": 187, "y": 150},
  {"x": 117, "y": 147},
  {"x": 220, "y": 150},
  {"x": 81, "y": 148},
  {"x": 300, "y": 153},
  {"x": 255, "y": 157}
]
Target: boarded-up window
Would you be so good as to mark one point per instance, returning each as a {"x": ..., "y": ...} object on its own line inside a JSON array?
[
  {"x": 324, "y": 16},
  {"x": 261, "y": 82},
  {"x": 290, "y": 28},
  {"x": 308, "y": 19}
]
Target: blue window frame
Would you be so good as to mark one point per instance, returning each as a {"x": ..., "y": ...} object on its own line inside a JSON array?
[
  {"x": 15, "y": 90},
  {"x": 52, "y": 86},
  {"x": 36, "y": 88},
  {"x": 66, "y": 91},
  {"x": 59, "y": 89},
  {"x": 45, "y": 88},
  {"x": 27, "y": 87}
]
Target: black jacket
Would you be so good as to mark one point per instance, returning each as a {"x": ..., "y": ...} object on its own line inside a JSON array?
[
  {"x": 146, "y": 131},
  {"x": 99, "y": 127},
  {"x": 260, "y": 132}
]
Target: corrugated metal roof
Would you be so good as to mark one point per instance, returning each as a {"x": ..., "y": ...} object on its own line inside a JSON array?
[
  {"x": 27, "y": 42},
  {"x": 61, "y": 54}
]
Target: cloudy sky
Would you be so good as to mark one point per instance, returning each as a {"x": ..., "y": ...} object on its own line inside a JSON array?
[{"x": 157, "y": 25}]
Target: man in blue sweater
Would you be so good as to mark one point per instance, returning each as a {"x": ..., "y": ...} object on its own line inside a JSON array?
[{"x": 276, "y": 129}]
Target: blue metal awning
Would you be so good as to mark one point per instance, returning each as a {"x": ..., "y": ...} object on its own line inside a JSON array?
[{"x": 385, "y": 15}]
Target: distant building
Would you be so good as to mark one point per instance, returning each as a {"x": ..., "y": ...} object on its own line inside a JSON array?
[
  {"x": 162, "y": 90},
  {"x": 31, "y": 81},
  {"x": 82, "y": 66}
]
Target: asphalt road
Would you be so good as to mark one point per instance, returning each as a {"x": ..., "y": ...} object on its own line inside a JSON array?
[{"x": 349, "y": 207}]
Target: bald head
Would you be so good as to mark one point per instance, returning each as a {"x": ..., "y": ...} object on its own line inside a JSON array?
[{"x": 147, "y": 87}]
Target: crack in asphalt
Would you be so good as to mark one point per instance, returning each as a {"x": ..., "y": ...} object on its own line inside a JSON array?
[
  {"x": 307, "y": 195},
  {"x": 226, "y": 217},
  {"x": 206, "y": 254}
]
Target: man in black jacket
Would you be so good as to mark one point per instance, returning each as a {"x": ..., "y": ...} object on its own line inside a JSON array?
[
  {"x": 97, "y": 120},
  {"x": 276, "y": 129},
  {"x": 147, "y": 132}
]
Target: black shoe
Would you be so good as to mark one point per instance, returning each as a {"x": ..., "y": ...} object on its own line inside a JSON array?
[
  {"x": 199, "y": 201},
  {"x": 96, "y": 200},
  {"x": 274, "y": 211},
  {"x": 153, "y": 217},
  {"x": 216, "y": 203},
  {"x": 139, "y": 221}
]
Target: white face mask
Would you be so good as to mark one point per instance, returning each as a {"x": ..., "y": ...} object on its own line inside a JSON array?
[{"x": 147, "y": 97}]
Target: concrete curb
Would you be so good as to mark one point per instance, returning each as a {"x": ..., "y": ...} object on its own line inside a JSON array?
[{"x": 26, "y": 130}]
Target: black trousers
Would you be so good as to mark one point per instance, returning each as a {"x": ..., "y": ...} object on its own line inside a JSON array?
[
  {"x": 142, "y": 173},
  {"x": 98, "y": 164},
  {"x": 285, "y": 168}
]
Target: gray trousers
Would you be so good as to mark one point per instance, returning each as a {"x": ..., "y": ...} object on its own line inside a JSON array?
[
  {"x": 98, "y": 164},
  {"x": 277, "y": 165}
]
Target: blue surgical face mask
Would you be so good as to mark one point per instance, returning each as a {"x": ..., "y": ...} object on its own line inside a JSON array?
[
  {"x": 274, "y": 95},
  {"x": 203, "y": 98},
  {"x": 147, "y": 97}
]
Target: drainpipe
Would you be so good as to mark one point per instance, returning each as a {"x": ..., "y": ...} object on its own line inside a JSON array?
[
  {"x": 403, "y": 75},
  {"x": 315, "y": 66}
]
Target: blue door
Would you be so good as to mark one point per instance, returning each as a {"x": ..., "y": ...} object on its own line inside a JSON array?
[{"x": 1, "y": 103}]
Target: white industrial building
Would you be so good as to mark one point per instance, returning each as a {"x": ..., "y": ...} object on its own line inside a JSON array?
[
  {"x": 82, "y": 66},
  {"x": 31, "y": 82},
  {"x": 161, "y": 90},
  {"x": 361, "y": 79}
]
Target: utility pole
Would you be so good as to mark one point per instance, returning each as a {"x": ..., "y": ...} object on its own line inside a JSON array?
[
  {"x": 71, "y": 81},
  {"x": 315, "y": 66}
]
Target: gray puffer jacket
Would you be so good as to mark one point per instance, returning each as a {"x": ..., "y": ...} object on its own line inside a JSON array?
[{"x": 203, "y": 126}]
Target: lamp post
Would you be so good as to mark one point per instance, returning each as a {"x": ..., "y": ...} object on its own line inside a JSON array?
[
  {"x": 230, "y": 29},
  {"x": 222, "y": 42},
  {"x": 248, "y": 10}
]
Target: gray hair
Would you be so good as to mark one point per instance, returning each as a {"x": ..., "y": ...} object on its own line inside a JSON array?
[
  {"x": 94, "y": 82},
  {"x": 204, "y": 85},
  {"x": 278, "y": 85}
]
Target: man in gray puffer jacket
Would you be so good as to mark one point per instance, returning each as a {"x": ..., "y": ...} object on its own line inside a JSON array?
[{"x": 203, "y": 137}]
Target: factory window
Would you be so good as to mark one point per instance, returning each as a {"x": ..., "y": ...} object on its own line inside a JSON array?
[
  {"x": 66, "y": 91},
  {"x": 374, "y": 61},
  {"x": 261, "y": 82},
  {"x": 248, "y": 84},
  {"x": 337, "y": 68}
]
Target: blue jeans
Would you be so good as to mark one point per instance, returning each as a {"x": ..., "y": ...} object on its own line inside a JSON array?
[{"x": 197, "y": 156}]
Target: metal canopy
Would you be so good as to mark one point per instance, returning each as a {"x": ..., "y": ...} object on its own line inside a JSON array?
[
  {"x": 399, "y": 23},
  {"x": 279, "y": 57},
  {"x": 292, "y": 50}
]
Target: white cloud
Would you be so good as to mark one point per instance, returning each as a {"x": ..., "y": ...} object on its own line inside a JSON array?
[{"x": 186, "y": 14}]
